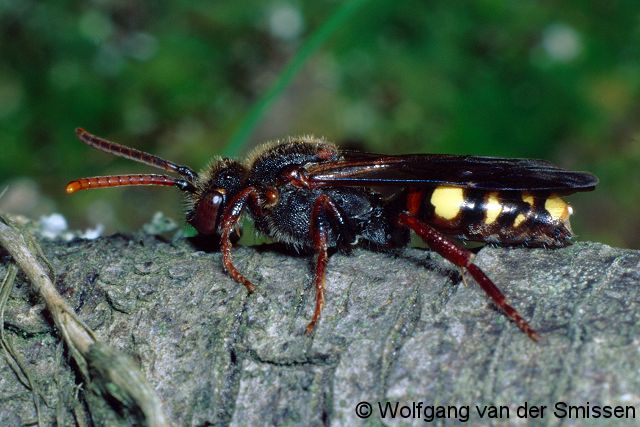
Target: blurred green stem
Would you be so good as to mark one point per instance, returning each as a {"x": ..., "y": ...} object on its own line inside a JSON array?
[{"x": 342, "y": 14}]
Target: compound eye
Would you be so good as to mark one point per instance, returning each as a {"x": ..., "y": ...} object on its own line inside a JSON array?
[{"x": 207, "y": 211}]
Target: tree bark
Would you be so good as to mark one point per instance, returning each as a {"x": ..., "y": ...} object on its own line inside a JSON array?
[{"x": 395, "y": 327}]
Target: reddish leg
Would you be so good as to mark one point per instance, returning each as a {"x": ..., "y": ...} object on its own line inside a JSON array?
[
  {"x": 230, "y": 218},
  {"x": 322, "y": 207},
  {"x": 463, "y": 258},
  {"x": 320, "y": 243}
]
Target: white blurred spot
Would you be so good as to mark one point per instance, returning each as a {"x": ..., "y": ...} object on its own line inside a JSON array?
[
  {"x": 160, "y": 223},
  {"x": 285, "y": 22},
  {"x": 53, "y": 226},
  {"x": 561, "y": 42},
  {"x": 92, "y": 233}
]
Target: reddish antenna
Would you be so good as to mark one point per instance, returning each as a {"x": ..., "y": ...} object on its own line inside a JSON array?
[
  {"x": 124, "y": 180},
  {"x": 187, "y": 184}
]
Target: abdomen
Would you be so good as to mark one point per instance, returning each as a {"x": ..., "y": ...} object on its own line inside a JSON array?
[{"x": 501, "y": 217}]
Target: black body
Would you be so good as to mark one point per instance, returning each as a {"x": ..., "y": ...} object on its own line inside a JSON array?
[
  {"x": 371, "y": 190},
  {"x": 364, "y": 215}
]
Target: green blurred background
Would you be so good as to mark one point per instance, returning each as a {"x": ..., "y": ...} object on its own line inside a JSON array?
[{"x": 189, "y": 80}]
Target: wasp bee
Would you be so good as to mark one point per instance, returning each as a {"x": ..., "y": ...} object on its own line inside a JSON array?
[{"x": 307, "y": 193}]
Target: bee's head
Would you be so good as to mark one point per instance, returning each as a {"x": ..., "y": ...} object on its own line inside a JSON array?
[{"x": 215, "y": 187}]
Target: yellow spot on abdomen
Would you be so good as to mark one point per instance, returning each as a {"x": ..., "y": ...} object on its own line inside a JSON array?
[
  {"x": 519, "y": 220},
  {"x": 527, "y": 198},
  {"x": 557, "y": 208},
  {"x": 447, "y": 201},
  {"x": 521, "y": 217},
  {"x": 493, "y": 208}
]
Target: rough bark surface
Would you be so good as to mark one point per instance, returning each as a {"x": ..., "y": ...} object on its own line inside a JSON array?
[{"x": 395, "y": 327}]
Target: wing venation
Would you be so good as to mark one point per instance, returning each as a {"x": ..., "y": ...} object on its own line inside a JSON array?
[{"x": 423, "y": 170}]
